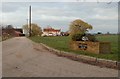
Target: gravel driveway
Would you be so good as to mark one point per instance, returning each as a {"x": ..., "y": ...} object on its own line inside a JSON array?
[{"x": 21, "y": 59}]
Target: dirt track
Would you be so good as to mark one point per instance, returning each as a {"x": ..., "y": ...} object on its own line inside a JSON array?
[{"x": 21, "y": 59}]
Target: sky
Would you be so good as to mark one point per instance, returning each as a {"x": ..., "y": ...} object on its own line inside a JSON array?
[{"x": 102, "y": 16}]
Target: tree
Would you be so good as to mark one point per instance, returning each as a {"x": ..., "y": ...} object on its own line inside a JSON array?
[
  {"x": 108, "y": 33},
  {"x": 35, "y": 29},
  {"x": 79, "y": 27},
  {"x": 9, "y": 29},
  {"x": 99, "y": 33}
]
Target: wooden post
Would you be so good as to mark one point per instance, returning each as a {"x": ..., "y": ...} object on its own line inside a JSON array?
[{"x": 30, "y": 21}]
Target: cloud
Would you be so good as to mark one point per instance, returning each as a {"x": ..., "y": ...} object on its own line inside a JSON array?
[
  {"x": 105, "y": 13},
  {"x": 57, "y": 18},
  {"x": 9, "y": 7},
  {"x": 103, "y": 17},
  {"x": 60, "y": 15}
]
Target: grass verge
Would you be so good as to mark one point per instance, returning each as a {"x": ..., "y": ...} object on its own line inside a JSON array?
[{"x": 62, "y": 43}]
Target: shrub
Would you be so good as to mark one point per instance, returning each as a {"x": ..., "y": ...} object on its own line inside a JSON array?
[
  {"x": 77, "y": 37},
  {"x": 91, "y": 37}
]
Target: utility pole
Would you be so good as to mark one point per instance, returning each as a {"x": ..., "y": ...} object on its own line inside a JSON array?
[{"x": 30, "y": 21}]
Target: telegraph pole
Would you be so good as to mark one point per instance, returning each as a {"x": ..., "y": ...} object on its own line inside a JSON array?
[{"x": 30, "y": 21}]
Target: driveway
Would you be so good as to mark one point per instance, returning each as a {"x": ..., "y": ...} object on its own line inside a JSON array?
[{"x": 22, "y": 59}]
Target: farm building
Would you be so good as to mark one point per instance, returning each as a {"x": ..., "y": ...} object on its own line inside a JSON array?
[
  {"x": 49, "y": 31},
  {"x": 13, "y": 32}
]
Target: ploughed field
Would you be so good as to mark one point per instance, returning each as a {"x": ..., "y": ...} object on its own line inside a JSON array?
[{"x": 62, "y": 43}]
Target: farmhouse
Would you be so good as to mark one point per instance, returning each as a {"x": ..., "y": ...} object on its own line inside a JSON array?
[
  {"x": 13, "y": 32},
  {"x": 49, "y": 31},
  {"x": 18, "y": 32}
]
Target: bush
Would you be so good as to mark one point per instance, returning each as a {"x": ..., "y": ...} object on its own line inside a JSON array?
[
  {"x": 77, "y": 37},
  {"x": 91, "y": 37}
]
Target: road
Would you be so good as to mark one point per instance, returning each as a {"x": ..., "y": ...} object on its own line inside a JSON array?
[
  {"x": 0, "y": 58},
  {"x": 22, "y": 59}
]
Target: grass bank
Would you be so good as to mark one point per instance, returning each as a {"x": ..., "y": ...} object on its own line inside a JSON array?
[
  {"x": 3, "y": 38},
  {"x": 62, "y": 43}
]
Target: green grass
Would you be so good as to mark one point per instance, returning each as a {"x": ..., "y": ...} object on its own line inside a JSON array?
[
  {"x": 3, "y": 38},
  {"x": 114, "y": 42},
  {"x": 0, "y": 38},
  {"x": 62, "y": 43}
]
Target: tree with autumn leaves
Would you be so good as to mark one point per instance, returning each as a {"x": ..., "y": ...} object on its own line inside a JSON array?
[
  {"x": 35, "y": 29},
  {"x": 78, "y": 29}
]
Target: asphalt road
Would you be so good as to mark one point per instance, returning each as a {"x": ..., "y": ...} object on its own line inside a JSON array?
[
  {"x": 22, "y": 59},
  {"x": 0, "y": 59}
]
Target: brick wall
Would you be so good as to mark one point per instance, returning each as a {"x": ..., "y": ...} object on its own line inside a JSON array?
[{"x": 93, "y": 47}]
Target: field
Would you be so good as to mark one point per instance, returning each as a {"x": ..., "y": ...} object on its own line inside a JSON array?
[{"x": 62, "y": 43}]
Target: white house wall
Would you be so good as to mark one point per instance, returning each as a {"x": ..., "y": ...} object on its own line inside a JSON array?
[{"x": 53, "y": 33}]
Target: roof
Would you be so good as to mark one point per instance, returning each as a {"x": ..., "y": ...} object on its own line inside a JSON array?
[
  {"x": 18, "y": 32},
  {"x": 49, "y": 29}
]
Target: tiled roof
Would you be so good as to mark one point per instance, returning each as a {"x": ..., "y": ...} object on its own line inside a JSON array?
[{"x": 51, "y": 30}]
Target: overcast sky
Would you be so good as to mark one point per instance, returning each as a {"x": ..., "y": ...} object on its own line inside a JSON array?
[{"x": 102, "y": 16}]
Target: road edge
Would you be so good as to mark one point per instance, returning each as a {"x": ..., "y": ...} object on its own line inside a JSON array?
[{"x": 82, "y": 58}]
